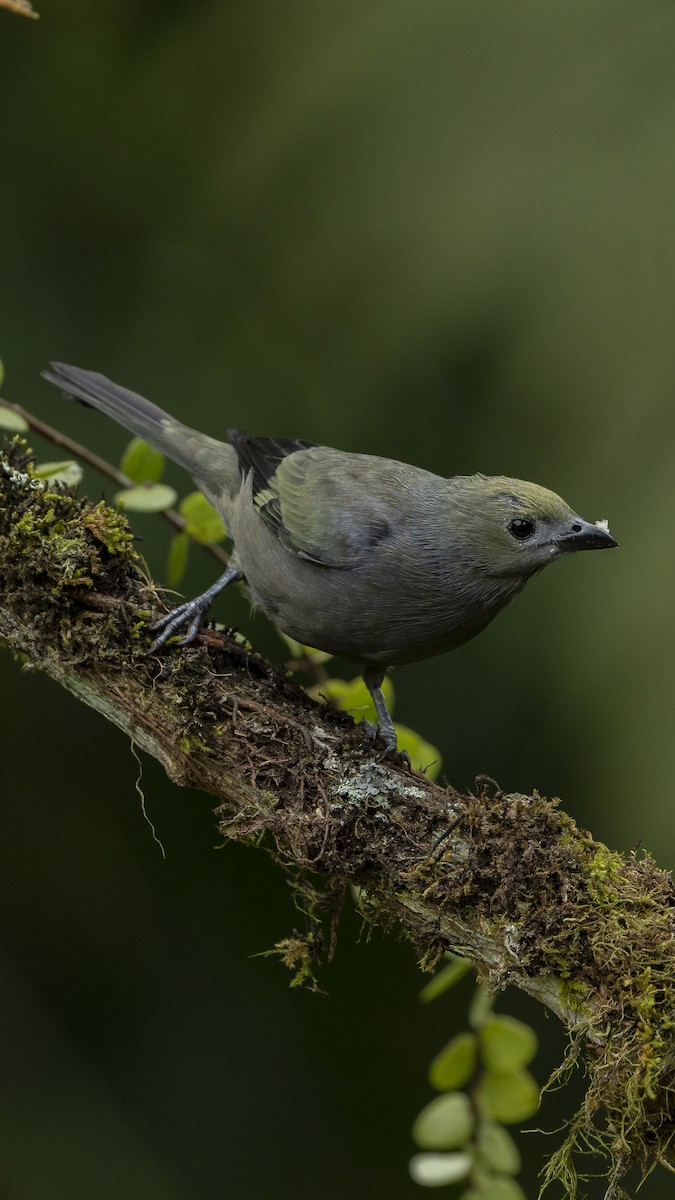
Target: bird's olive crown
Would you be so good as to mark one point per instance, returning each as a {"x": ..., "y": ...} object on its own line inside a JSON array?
[
  {"x": 515, "y": 525},
  {"x": 533, "y": 511}
]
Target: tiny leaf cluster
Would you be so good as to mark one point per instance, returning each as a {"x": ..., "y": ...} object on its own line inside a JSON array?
[{"x": 483, "y": 1081}]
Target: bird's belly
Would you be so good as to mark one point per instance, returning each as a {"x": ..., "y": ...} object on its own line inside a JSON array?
[{"x": 366, "y": 616}]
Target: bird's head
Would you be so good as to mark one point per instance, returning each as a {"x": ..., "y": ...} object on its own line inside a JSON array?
[{"x": 515, "y": 528}]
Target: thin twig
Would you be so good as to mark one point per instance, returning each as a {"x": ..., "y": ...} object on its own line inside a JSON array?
[{"x": 107, "y": 470}]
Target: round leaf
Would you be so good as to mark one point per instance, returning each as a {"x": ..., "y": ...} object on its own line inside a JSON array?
[
  {"x": 151, "y": 497},
  {"x": 497, "y": 1187},
  {"x": 446, "y": 1123},
  {"x": 436, "y": 1170},
  {"x": 507, "y": 1043},
  {"x": 353, "y": 695},
  {"x": 12, "y": 421},
  {"x": 455, "y": 1064},
  {"x": 142, "y": 463},
  {"x": 497, "y": 1149},
  {"x": 307, "y": 653},
  {"x": 508, "y": 1096},
  {"x": 201, "y": 519},
  {"x": 67, "y": 472}
]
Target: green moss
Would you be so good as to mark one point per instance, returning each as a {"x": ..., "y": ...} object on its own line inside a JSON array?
[
  {"x": 111, "y": 529},
  {"x": 629, "y": 988},
  {"x": 191, "y": 744},
  {"x": 61, "y": 534},
  {"x": 56, "y": 546},
  {"x": 604, "y": 876},
  {"x": 573, "y": 993},
  {"x": 298, "y": 955},
  {"x": 601, "y": 927}
]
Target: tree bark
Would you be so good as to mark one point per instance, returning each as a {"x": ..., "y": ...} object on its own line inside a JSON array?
[{"x": 505, "y": 879}]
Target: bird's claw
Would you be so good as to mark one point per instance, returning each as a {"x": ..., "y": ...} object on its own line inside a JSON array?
[
  {"x": 191, "y": 611},
  {"x": 401, "y": 755},
  {"x": 373, "y": 731},
  {"x": 391, "y": 749}
]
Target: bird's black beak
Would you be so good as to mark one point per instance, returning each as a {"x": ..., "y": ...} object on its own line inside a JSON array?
[{"x": 582, "y": 535}]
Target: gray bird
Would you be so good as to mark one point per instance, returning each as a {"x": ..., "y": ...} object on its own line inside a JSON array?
[{"x": 365, "y": 557}]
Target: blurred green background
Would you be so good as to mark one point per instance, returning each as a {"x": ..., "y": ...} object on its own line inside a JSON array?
[{"x": 442, "y": 231}]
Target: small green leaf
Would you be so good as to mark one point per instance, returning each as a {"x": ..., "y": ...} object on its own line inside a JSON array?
[
  {"x": 436, "y": 1170},
  {"x": 149, "y": 498},
  {"x": 142, "y": 463},
  {"x": 480, "y": 1009},
  {"x": 423, "y": 756},
  {"x": 201, "y": 519},
  {"x": 508, "y": 1096},
  {"x": 67, "y": 472},
  {"x": 504, "y": 1188},
  {"x": 497, "y": 1149},
  {"x": 12, "y": 421},
  {"x": 307, "y": 653},
  {"x": 507, "y": 1043},
  {"x": 454, "y": 970},
  {"x": 177, "y": 559},
  {"x": 497, "y": 1187},
  {"x": 353, "y": 696},
  {"x": 446, "y": 1123},
  {"x": 2, "y": 372},
  {"x": 455, "y": 1064}
]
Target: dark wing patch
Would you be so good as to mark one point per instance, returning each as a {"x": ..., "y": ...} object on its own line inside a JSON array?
[
  {"x": 262, "y": 455},
  {"x": 313, "y": 498}
]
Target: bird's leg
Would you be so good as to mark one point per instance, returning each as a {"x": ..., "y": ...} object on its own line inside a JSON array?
[
  {"x": 192, "y": 612},
  {"x": 372, "y": 677}
]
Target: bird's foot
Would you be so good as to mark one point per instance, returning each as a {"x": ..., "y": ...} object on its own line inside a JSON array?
[
  {"x": 388, "y": 736},
  {"x": 191, "y": 613}
]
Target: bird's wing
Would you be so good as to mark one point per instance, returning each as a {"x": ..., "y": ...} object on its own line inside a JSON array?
[{"x": 314, "y": 499}]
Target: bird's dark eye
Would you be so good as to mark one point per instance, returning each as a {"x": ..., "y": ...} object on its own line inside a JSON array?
[{"x": 521, "y": 528}]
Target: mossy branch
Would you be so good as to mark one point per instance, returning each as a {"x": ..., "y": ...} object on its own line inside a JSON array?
[{"x": 506, "y": 879}]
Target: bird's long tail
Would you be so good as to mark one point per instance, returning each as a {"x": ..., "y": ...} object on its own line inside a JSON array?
[{"x": 210, "y": 462}]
